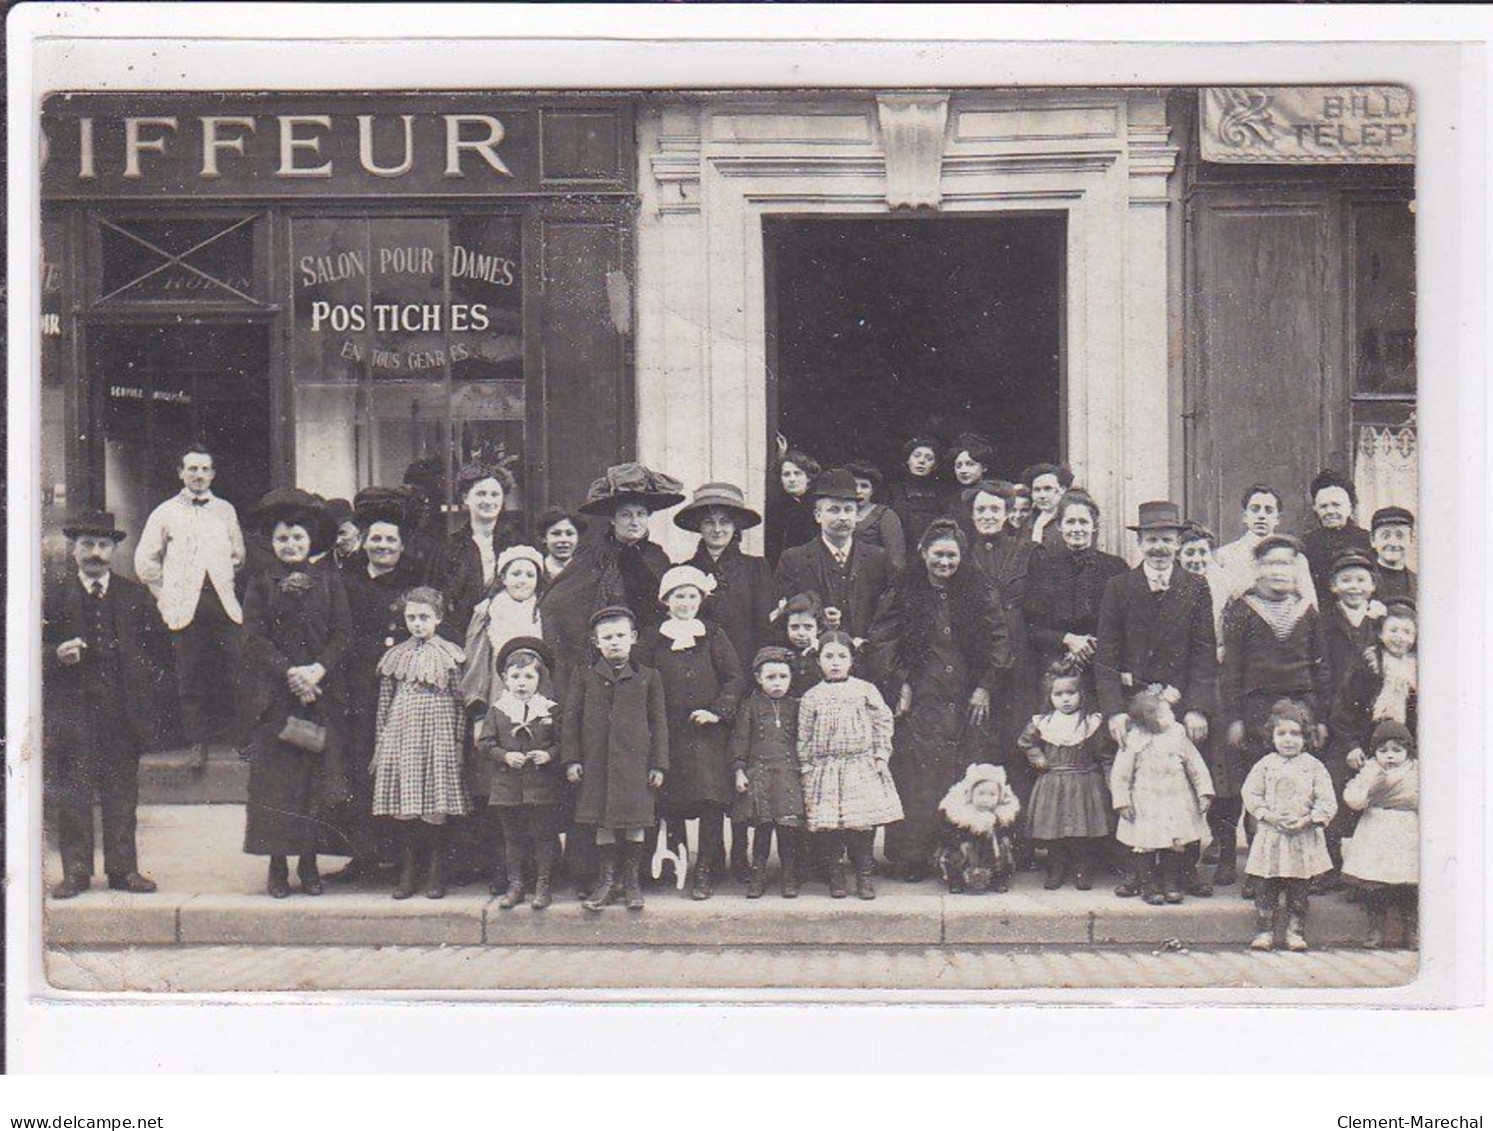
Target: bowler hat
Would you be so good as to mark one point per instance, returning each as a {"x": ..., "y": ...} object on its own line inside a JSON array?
[
  {"x": 632, "y": 483},
  {"x": 1391, "y": 516},
  {"x": 1351, "y": 559},
  {"x": 525, "y": 644},
  {"x": 726, "y": 496},
  {"x": 834, "y": 484},
  {"x": 96, "y": 524},
  {"x": 1159, "y": 515}
]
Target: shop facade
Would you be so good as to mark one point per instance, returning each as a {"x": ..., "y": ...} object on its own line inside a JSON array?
[
  {"x": 333, "y": 291},
  {"x": 337, "y": 288}
]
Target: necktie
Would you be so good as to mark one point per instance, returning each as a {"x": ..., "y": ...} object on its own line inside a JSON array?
[
  {"x": 199, "y": 502},
  {"x": 96, "y": 589}
]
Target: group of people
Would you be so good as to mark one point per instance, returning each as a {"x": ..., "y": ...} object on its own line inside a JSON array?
[{"x": 948, "y": 658}]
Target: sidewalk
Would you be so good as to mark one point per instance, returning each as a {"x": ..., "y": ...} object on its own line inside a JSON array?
[{"x": 211, "y": 894}]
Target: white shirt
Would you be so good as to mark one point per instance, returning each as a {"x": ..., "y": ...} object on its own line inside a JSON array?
[
  {"x": 89, "y": 582},
  {"x": 840, "y": 555},
  {"x": 184, "y": 545},
  {"x": 1039, "y": 524},
  {"x": 1157, "y": 580},
  {"x": 1236, "y": 570}
]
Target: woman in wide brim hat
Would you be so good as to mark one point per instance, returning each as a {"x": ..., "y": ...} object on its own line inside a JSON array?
[
  {"x": 294, "y": 507},
  {"x": 742, "y": 599},
  {"x": 621, "y": 567}
]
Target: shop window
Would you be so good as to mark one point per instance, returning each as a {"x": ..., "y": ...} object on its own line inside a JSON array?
[
  {"x": 177, "y": 259},
  {"x": 1381, "y": 326},
  {"x": 408, "y": 348}
]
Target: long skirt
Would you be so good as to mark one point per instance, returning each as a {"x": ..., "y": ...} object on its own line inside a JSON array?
[
  {"x": 933, "y": 748},
  {"x": 282, "y": 817}
]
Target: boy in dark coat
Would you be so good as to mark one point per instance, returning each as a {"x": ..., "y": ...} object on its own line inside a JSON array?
[
  {"x": 1156, "y": 630},
  {"x": 1350, "y": 615},
  {"x": 615, "y": 746},
  {"x": 850, "y": 577},
  {"x": 99, "y": 686}
]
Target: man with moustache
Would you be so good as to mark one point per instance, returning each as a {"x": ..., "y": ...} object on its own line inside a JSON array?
[
  {"x": 99, "y": 687},
  {"x": 1156, "y": 630},
  {"x": 853, "y": 579}
]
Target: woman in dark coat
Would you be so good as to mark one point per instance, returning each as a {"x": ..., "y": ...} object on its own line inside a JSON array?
[
  {"x": 1004, "y": 554},
  {"x": 374, "y": 581},
  {"x": 918, "y": 496},
  {"x": 463, "y": 565},
  {"x": 296, "y": 629},
  {"x": 790, "y": 511},
  {"x": 950, "y": 656},
  {"x": 876, "y": 523},
  {"x": 742, "y": 601},
  {"x": 971, "y": 461},
  {"x": 1064, "y": 588},
  {"x": 622, "y": 567}
]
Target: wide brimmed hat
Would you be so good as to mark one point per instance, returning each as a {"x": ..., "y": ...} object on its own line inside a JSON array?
[
  {"x": 1352, "y": 559},
  {"x": 93, "y": 524},
  {"x": 726, "y": 496},
  {"x": 338, "y": 511},
  {"x": 296, "y": 507},
  {"x": 836, "y": 483},
  {"x": 1159, "y": 515},
  {"x": 632, "y": 483},
  {"x": 525, "y": 644},
  {"x": 1391, "y": 516}
]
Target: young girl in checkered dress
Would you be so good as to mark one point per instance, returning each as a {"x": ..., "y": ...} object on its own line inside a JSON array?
[
  {"x": 417, "y": 756},
  {"x": 844, "y": 743}
]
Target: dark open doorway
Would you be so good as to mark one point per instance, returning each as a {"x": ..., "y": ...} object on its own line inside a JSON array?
[{"x": 882, "y": 328}]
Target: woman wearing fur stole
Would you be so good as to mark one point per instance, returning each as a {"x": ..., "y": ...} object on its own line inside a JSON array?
[{"x": 974, "y": 823}]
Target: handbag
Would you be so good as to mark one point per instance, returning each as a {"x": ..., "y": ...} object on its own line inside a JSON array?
[{"x": 304, "y": 735}]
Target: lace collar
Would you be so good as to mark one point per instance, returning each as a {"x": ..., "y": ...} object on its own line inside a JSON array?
[{"x": 682, "y": 633}]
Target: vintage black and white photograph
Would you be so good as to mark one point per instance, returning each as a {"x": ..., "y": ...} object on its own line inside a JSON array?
[{"x": 729, "y": 539}]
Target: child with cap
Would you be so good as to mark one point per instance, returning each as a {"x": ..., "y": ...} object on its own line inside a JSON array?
[
  {"x": 1393, "y": 534},
  {"x": 1382, "y": 858},
  {"x": 518, "y": 743},
  {"x": 1350, "y": 615},
  {"x": 975, "y": 819},
  {"x": 703, "y": 684},
  {"x": 614, "y": 742},
  {"x": 766, "y": 769}
]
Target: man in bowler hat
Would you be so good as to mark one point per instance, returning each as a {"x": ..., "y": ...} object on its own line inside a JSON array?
[{"x": 99, "y": 691}]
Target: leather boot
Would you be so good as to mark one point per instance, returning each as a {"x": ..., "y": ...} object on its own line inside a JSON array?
[
  {"x": 308, "y": 874},
  {"x": 1146, "y": 875},
  {"x": 1129, "y": 868},
  {"x": 1224, "y": 874},
  {"x": 1378, "y": 913},
  {"x": 632, "y": 862},
  {"x": 1057, "y": 867},
  {"x": 278, "y": 883},
  {"x": 1082, "y": 866},
  {"x": 761, "y": 847},
  {"x": 1295, "y": 940},
  {"x": 409, "y": 872},
  {"x": 435, "y": 874},
  {"x": 790, "y": 852},
  {"x": 515, "y": 893},
  {"x": 862, "y": 856},
  {"x": 606, "y": 879},
  {"x": 1192, "y": 879},
  {"x": 544, "y": 866},
  {"x": 741, "y": 870},
  {"x": 702, "y": 886},
  {"x": 1264, "y": 931},
  {"x": 1173, "y": 863}
]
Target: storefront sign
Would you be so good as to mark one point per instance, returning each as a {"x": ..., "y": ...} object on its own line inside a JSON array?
[
  {"x": 263, "y": 145},
  {"x": 1316, "y": 125}
]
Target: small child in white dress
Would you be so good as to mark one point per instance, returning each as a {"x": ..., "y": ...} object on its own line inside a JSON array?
[{"x": 1383, "y": 856}]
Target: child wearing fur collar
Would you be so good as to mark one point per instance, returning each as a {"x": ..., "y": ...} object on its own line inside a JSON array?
[
  {"x": 975, "y": 819},
  {"x": 518, "y": 743}
]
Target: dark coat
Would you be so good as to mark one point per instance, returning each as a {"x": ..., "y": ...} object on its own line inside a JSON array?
[
  {"x": 1166, "y": 639},
  {"x": 1322, "y": 546},
  {"x": 917, "y": 503},
  {"x": 283, "y": 630},
  {"x": 376, "y": 627},
  {"x": 1352, "y": 722},
  {"x": 1343, "y": 644},
  {"x": 1259, "y": 668},
  {"x": 1063, "y": 594},
  {"x": 616, "y": 728},
  {"x": 862, "y": 591},
  {"x": 1392, "y": 583},
  {"x": 601, "y": 574},
  {"x": 1006, "y": 560},
  {"x": 790, "y": 522},
  {"x": 707, "y": 677},
  {"x": 70, "y": 745},
  {"x": 977, "y": 620},
  {"x": 455, "y": 568},
  {"x": 881, "y": 527},
  {"x": 742, "y": 600},
  {"x": 499, "y": 782},
  {"x": 764, "y": 744}
]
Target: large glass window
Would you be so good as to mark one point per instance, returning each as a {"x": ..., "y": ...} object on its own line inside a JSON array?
[
  {"x": 408, "y": 347},
  {"x": 176, "y": 259}
]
